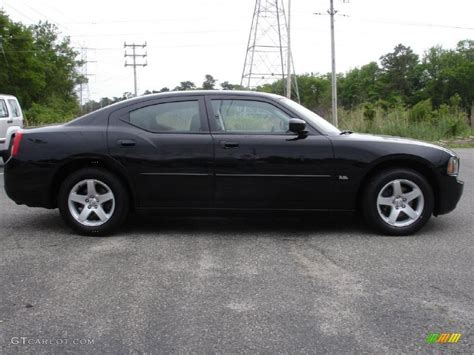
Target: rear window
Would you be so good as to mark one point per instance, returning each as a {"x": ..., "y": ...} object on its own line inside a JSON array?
[
  {"x": 3, "y": 109},
  {"x": 14, "y": 108}
]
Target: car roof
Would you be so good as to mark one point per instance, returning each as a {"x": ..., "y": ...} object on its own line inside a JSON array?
[
  {"x": 203, "y": 92},
  {"x": 170, "y": 94}
]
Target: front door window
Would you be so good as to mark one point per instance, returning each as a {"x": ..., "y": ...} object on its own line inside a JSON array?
[{"x": 246, "y": 116}]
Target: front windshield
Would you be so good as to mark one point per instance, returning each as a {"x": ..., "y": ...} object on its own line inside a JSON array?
[{"x": 315, "y": 120}]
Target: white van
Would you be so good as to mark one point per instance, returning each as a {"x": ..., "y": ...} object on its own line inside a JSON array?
[{"x": 11, "y": 120}]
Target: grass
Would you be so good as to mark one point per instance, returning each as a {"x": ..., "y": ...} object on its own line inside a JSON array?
[{"x": 443, "y": 126}]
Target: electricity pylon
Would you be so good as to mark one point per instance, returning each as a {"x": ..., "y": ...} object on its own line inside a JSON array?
[{"x": 269, "y": 57}]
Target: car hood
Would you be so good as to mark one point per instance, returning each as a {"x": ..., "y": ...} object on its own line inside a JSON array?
[{"x": 399, "y": 140}]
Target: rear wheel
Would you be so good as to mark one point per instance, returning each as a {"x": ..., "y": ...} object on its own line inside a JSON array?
[
  {"x": 398, "y": 202},
  {"x": 93, "y": 202}
]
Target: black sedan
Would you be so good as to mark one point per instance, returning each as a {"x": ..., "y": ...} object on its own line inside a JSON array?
[{"x": 211, "y": 150}]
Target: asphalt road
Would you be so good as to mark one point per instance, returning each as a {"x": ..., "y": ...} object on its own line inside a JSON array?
[{"x": 170, "y": 285}]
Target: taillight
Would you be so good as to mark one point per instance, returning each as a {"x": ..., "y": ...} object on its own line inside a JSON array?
[{"x": 16, "y": 143}]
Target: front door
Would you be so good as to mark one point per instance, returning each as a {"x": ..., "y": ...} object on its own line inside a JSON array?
[
  {"x": 260, "y": 164},
  {"x": 166, "y": 147}
]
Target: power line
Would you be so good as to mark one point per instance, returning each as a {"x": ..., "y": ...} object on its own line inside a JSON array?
[
  {"x": 134, "y": 63},
  {"x": 154, "y": 33},
  {"x": 19, "y": 12},
  {"x": 416, "y": 24},
  {"x": 156, "y": 47},
  {"x": 47, "y": 18},
  {"x": 154, "y": 21}
]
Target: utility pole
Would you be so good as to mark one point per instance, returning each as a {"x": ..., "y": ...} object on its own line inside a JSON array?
[
  {"x": 134, "y": 63},
  {"x": 289, "y": 58},
  {"x": 332, "y": 13}
]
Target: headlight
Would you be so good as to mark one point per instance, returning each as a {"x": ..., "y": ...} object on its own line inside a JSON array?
[{"x": 453, "y": 166}]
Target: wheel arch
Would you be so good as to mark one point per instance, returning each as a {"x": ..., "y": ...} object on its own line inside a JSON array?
[
  {"x": 414, "y": 163},
  {"x": 90, "y": 162}
]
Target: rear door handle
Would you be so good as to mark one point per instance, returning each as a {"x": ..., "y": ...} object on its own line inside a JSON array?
[
  {"x": 10, "y": 121},
  {"x": 227, "y": 145},
  {"x": 126, "y": 142}
]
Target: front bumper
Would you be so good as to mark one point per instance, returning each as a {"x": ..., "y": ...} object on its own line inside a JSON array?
[{"x": 450, "y": 193}]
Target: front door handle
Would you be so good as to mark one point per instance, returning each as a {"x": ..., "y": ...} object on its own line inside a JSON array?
[
  {"x": 227, "y": 145},
  {"x": 126, "y": 142}
]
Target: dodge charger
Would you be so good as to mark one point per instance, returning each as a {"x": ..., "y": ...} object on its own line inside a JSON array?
[{"x": 225, "y": 151}]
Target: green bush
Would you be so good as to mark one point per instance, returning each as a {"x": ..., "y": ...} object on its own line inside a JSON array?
[
  {"x": 422, "y": 111},
  {"x": 422, "y": 123},
  {"x": 55, "y": 111}
]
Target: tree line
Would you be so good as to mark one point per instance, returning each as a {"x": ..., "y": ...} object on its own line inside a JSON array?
[
  {"x": 42, "y": 69},
  {"x": 401, "y": 77}
]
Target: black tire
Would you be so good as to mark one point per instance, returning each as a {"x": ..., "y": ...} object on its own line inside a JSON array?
[
  {"x": 381, "y": 183},
  {"x": 121, "y": 202}
]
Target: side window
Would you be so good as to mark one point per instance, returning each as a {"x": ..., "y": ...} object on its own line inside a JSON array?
[
  {"x": 246, "y": 116},
  {"x": 168, "y": 117},
  {"x": 14, "y": 108},
  {"x": 3, "y": 109}
]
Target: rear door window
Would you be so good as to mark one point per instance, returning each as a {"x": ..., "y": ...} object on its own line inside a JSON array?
[
  {"x": 14, "y": 108},
  {"x": 183, "y": 117},
  {"x": 3, "y": 109}
]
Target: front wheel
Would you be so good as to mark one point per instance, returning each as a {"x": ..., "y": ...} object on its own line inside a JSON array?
[
  {"x": 398, "y": 202},
  {"x": 93, "y": 202}
]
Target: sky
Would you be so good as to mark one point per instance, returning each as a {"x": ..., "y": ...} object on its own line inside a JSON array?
[{"x": 187, "y": 39}]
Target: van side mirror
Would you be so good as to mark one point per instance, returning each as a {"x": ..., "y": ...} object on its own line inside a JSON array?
[{"x": 297, "y": 125}]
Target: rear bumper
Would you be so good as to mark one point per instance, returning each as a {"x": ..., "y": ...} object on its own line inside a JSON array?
[
  {"x": 28, "y": 184},
  {"x": 450, "y": 193}
]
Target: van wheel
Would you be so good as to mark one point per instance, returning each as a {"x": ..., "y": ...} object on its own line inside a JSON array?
[
  {"x": 398, "y": 202},
  {"x": 93, "y": 202}
]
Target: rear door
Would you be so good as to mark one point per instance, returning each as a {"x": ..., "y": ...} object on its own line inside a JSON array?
[
  {"x": 16, "y": 116},
  {"x": 166, "y": 147}
]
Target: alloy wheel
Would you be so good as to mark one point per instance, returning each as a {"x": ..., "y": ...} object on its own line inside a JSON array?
[
  {"x": 91, "y": 202},
  {"x": 400, "y": 203}
]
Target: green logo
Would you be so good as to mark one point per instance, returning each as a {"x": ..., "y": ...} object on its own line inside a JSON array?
[{"x": 443, "y": 338}]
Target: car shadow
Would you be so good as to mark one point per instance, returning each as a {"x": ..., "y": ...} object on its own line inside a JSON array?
[
  {"x": 245, "y": 224},
  {"x": 277, "y": 225}
]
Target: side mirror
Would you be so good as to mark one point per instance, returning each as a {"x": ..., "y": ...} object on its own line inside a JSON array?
[{"x": 297, "y": 126}]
